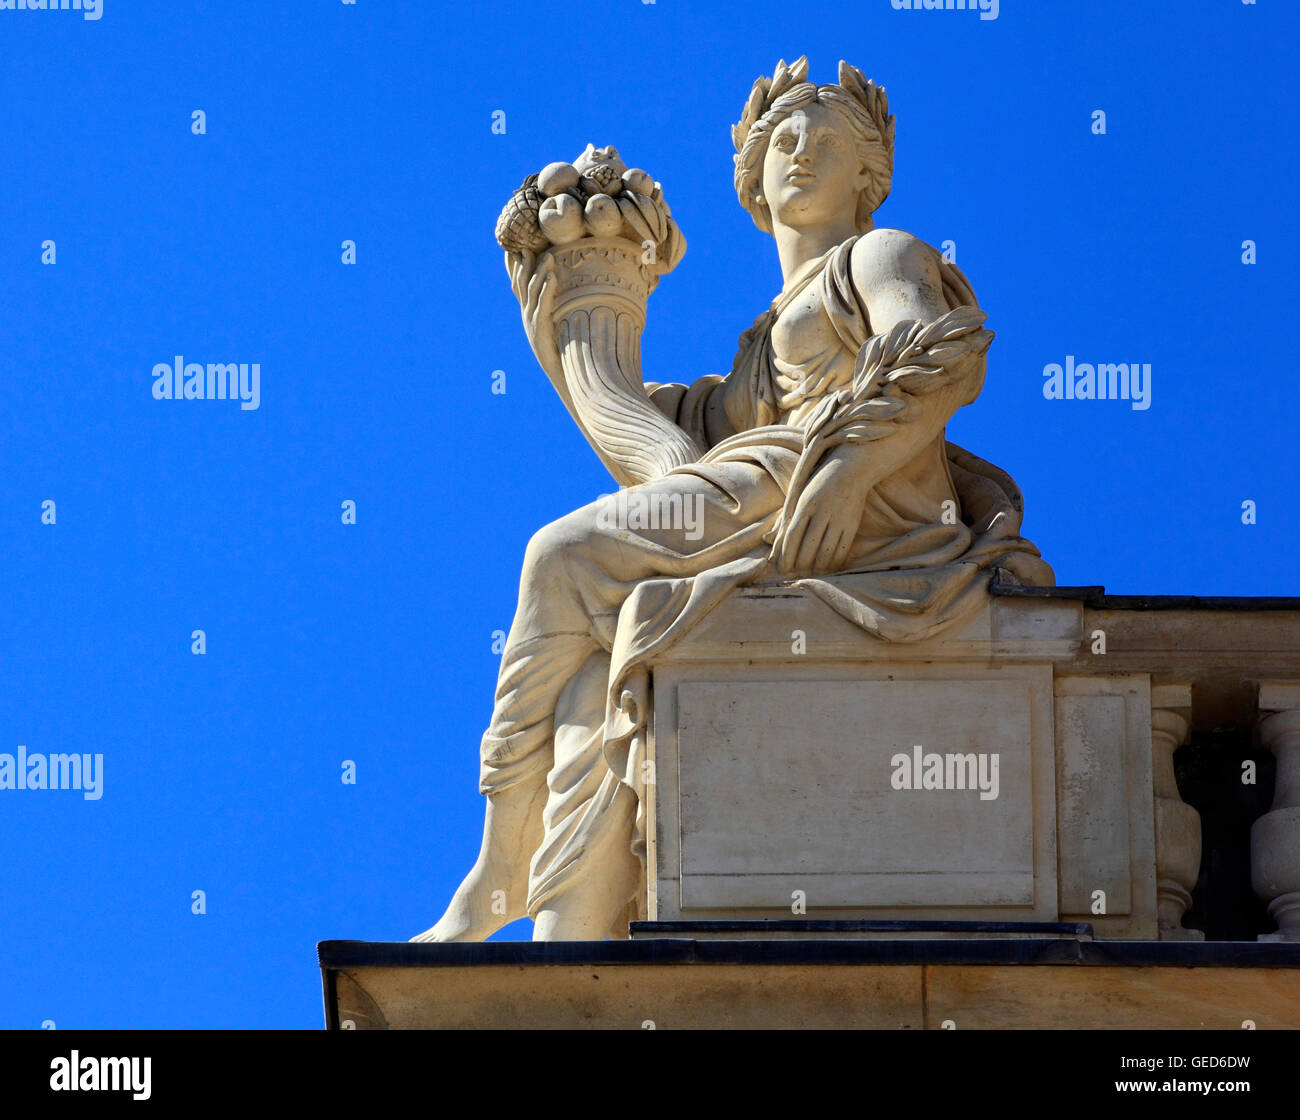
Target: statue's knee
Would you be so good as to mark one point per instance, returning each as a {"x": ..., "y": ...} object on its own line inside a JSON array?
[{"x": 556, "y": 543}]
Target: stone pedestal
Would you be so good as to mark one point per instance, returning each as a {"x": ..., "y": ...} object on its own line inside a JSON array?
[{"x": 806, "y": 768}]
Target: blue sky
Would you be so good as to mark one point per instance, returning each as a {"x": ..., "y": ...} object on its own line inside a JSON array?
[{"x": 372, "y": 642}]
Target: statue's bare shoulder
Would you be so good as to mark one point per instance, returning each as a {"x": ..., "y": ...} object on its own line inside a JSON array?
[{"x": 897, "y": 277}]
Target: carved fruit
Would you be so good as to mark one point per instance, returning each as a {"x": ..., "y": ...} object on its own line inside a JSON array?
[
  {"x": 518, "y": 228},
  {"x": 636, "y": 224},
  {"x": 634, "y": 179},
  {"x": 593, "y": 156},
  {"x": 556, "y": 178},
  {"x": 603, "y": 216},
  {"x": 653, "y": 213},
  {"x": 601, "y": 170},
  {"x": 561, "y": 219},
  {"x": 602, "y": 179}
]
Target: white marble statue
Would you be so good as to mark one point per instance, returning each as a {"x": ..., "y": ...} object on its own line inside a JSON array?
[{"x": 820, "y": 458}]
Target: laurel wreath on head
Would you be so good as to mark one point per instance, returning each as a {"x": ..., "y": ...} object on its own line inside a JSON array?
[{"x": 767, "y": 91}]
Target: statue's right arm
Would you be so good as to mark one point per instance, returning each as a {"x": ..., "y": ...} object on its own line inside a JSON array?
[
  {"x": 699, "y": 408},
  {"x": 534, "y": 285},
  {"x": 534, "y": 288}
]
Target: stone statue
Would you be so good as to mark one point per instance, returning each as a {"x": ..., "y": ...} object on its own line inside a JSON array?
[{"x": 819, "y": 459}]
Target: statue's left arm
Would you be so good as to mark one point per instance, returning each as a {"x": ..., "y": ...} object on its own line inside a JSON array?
[{"x": 895, "y": 411}]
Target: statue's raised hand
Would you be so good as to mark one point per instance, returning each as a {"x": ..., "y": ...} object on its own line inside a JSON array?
[
  {"x": 591, "y": 354},
  {"x": 534, "y": 288}
]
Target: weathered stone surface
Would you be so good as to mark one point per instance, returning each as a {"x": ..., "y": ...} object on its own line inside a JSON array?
[
  {"x": 1061, "y": 984},
  {"x": 788, "y": 786}
]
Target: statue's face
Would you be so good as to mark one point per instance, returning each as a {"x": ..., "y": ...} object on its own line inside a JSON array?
[{"x": 811, "y": 173}]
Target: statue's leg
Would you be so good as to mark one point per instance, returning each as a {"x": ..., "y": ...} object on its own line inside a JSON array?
[
  {"x": 494, "y": 893},
  {"x": 584, "y": 874},
  {"x": 595, "y": 903},
  {"x": 577, "y": 573},
  {"x": 549, "y": 641}
]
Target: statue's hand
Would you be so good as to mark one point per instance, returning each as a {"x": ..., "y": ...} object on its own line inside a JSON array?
[
  {"x": 534, "y": 288},
  {"x": 826, "y": 515}
]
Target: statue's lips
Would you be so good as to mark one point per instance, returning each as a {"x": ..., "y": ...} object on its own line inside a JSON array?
[{"x": 798, "y": 177}]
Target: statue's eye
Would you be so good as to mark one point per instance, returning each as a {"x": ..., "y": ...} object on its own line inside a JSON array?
[{"x": 784, "y": 142}]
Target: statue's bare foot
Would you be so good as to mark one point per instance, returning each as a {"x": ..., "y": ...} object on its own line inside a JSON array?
[
  {"x": 495, "y": 892},
  {"x": 481, "y": 905}
]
